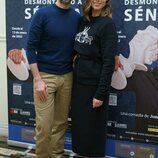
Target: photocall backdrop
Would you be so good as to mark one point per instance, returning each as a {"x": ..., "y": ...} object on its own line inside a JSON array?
[{"x": 133, "y": 103}]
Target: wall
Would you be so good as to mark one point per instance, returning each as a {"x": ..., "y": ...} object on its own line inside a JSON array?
[{"x": 3, "y": 74}]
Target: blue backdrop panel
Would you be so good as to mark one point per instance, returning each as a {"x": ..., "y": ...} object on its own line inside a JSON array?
[{"x": 133, "y": 124}]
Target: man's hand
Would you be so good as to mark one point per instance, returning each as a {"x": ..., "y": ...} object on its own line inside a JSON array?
[
  {"x": 97, "y": 103},
  {"x": 41, "y": 90},
  {"x": 16, "y": 56},
  {"x": 118, "y": 63}
]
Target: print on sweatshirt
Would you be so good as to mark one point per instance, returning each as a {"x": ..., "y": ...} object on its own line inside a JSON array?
[{"x": 83, "y": 37}]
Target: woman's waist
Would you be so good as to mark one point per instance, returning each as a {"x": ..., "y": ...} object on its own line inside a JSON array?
[{"x": 89, "y": 57}]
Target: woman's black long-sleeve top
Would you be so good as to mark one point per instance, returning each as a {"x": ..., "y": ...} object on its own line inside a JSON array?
[{"x": 96, "y": 46}]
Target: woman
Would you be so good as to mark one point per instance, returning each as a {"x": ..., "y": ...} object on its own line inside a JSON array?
[{"x": 95, "y": 45}]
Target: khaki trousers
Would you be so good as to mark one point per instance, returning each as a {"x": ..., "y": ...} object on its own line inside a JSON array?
[{"x": 52, "y": 115}]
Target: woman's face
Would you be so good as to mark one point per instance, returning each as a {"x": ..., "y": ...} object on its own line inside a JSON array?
[{"x": 98, "y": 5}]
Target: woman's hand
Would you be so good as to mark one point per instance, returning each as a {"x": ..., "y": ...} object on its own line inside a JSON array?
[{"x": 97, "y": 103}]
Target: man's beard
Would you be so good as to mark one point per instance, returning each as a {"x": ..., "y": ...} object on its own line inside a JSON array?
[{"x": 65, "y": 1}]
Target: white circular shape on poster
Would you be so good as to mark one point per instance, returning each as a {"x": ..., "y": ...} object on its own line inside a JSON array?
[
  {"x": 119, "y": 80},
  {"x": 20, "y": 71}
]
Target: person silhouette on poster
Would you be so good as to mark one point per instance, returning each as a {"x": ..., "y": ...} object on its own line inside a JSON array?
[{"x": 139, "y": 73}]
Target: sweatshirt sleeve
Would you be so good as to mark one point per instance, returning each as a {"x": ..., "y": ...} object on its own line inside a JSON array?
[
  {"x": 108, "y": 52},
  {"x": 34, "y": 35}
]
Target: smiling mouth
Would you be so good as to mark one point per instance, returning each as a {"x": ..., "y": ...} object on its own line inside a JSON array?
[{"x": 96, "y": 5}]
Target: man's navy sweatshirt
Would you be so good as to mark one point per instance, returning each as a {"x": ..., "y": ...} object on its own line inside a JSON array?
[{"x": 51, "y": 39}]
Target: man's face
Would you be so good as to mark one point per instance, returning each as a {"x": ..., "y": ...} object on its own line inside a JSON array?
[{"x": 65, "y": 2}]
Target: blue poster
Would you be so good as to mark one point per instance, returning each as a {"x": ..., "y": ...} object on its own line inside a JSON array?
[
  {"x": 133, "y": 101},
  {"x": 133, "y": 105}
]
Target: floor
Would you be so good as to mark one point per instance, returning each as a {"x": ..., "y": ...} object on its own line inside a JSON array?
[{"x": 7, "y": 151}]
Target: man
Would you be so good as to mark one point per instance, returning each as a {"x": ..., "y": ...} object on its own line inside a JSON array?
[{"x": 49, "y": 52}]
